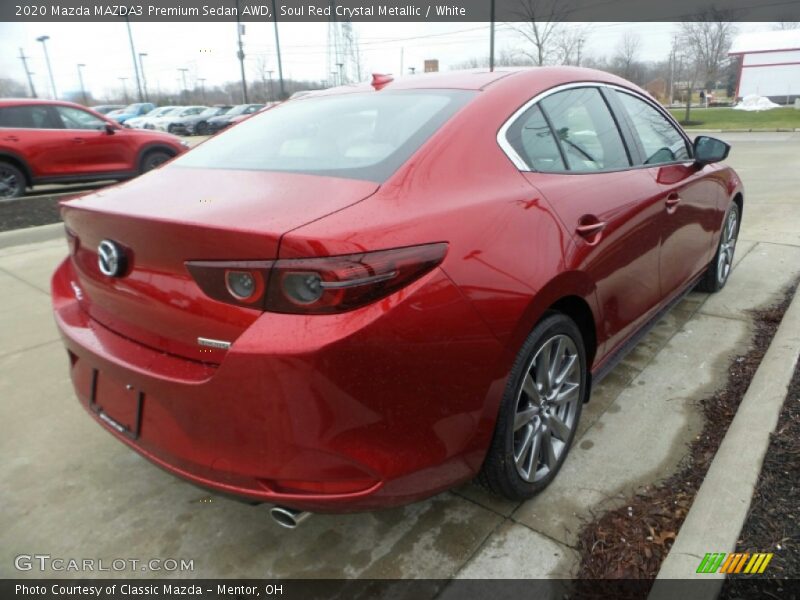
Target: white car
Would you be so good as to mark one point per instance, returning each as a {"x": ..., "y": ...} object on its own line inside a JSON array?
[
  {"x": 146, "y": 121},
  {"x": 167, "y": 122}
]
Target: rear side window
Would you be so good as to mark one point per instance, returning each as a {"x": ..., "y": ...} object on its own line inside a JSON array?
[
  {"x": 360, "y": 136},
  {"x": 28, "y": 117},
  {"x": 532, "y": 138},
  {"x": 75, "y": 118},
  {"x": 661, "y": 141},
  {"x": 586, "y": 131}
]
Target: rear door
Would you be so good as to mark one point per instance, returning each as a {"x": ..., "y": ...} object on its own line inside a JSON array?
[
  {"x": 575, "y": 155},
  {"x": 35, "y": 133},
  {"x": 690, "y": 199}
]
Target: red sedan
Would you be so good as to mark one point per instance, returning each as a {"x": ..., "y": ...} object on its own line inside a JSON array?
[
  {"x": 46, "y": 141},
  {"x": 368, "y": 295}
]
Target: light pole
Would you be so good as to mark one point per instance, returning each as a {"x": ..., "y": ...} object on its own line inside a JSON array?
[
  {"x": 83, "y": 89},
  {"x": 278, "y": 51},
  {"x": 183, "y": 70},
  {"x": 43, "y": 39},
  {"x": 24, "y": 60},
  {"x": 271, "y": 88},
  {"x": 124, "y": 88},
  {"x": 202, "y": 81},
  {"x": 133, "y": 56},
  {"x": 144, "y": 79},
  {"x": 341, "y": 73},
  {"x": 240, "y": 54}
]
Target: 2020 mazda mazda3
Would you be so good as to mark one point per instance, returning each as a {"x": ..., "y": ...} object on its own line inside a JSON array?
[{"x": 368, "y": 295}]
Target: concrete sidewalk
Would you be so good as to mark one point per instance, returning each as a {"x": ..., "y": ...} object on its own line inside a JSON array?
[{"x": 70, "y": 490}]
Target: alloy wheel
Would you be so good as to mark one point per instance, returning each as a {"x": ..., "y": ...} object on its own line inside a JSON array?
[
  {"x": 9, "y": 184},
  {"x": 547, "y": 408},
  {"x": 726, "y": 247}
]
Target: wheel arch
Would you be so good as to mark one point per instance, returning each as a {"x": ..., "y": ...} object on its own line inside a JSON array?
[
  {"x": 18, "y": 162},
  {"x": 153, "y": 147}
]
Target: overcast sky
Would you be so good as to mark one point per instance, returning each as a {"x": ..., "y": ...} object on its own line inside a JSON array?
[{"x": 208, "y": 50}]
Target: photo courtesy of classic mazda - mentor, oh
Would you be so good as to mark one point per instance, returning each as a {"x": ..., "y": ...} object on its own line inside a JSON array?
[
  {"x": 48, "y": 141},
  {"x": 373, "y": 293}
]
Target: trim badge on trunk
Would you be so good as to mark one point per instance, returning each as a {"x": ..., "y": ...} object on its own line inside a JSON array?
[{"x": 111, "y": 258}]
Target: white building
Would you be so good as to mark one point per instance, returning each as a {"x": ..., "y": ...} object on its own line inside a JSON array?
[{"x": 770, "y": 64}]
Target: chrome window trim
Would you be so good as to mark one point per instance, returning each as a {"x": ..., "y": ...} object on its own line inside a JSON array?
[{"x": 518, "y": 161}]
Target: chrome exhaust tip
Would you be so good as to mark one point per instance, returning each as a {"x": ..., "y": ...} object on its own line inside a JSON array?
[{"x": 288, "y": 517}]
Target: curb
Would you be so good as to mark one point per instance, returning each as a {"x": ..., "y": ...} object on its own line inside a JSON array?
[
  {"x": 31, "y": 235},
  {"x": 720, "y": 508}
]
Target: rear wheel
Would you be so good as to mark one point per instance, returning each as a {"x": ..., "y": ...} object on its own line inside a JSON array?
[
  {"x": 716, "y": 276},
  {"x": 153, "y": 159},
  {"x": 12, "y": 181},
  {"x": 540, "y": 410},
  {"x": 201, "y": 128}
]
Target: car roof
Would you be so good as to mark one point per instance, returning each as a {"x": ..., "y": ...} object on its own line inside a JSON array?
[
  {"x": 37, "y": 101},
  {"x": 484, "y": 79}
]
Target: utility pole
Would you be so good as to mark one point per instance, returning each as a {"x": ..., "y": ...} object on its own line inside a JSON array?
[
  {"x": 491, "y": 37},
  {"x": 184, "y": 91},
  {"x": 341, "y": 73},
  {"x": 402, "y": 50},
  {"x": 133, "y": 56},
  {"x": 144, "y": 79},
  {"x": 202, "y": 81},
  {"x": 80, "y": 80},
  {"x": 240, "y": 54},
  {"x": 278, "y": 51},
  {"x": 43, "y": 39},
  {"x": 124, "y": 88},
  {"x": 271, "y": 88},
  {"x": 24, "y": 60}
]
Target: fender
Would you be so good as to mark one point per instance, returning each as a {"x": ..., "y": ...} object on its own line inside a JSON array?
[{"x": 20, "y": 162}]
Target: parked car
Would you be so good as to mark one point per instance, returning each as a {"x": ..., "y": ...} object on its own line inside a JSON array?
[
  {"x": 171, "y": 121},
  {"x": 240, "y": 118},
  {"x": 104, "y": 109},
  {"x": 147, "y": 121},
  {"x": 219, "y": 123},
  {"x": 43, "y": 141},
  {"x": 131, "y": 111},
  {"x": 362, "y": 298},
  {"x": 198, "y": 124}
]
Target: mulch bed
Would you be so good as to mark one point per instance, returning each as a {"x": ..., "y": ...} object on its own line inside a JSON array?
[
  {"x": 632, "y": 541},
  {"x": 29, "y": 212},
  {"x": 773, "y": 523}
]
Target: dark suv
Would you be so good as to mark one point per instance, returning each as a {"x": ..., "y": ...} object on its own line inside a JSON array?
[{"x": 46, "y": 141}]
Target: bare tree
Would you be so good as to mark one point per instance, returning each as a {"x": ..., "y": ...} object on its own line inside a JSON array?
[
  {"x": 786, "y": 25},
  {"x": 11, "y": 88},
  {"x": 569, "y": 44},
  {"x": 706, "y": 41},
  {"x": 627, "y": 52},
  {"x": 540, "y": 24}
]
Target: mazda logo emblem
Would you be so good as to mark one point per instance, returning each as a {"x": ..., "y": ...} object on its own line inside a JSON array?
[{"x": 110, "y": 258}]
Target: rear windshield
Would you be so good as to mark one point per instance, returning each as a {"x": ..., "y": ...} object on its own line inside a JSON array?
[{"x": 358, "y": 136}]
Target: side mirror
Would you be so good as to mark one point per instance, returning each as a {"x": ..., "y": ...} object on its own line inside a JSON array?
[
  {"x": 709, "y": 150},
  {"x": 110, "y": 129}
]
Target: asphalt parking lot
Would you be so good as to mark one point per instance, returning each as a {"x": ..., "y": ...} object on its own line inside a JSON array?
[{"x": 70, "y": 490}]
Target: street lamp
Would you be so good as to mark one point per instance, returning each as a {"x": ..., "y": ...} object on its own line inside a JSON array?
[
  {"x": 144, "y": 79},
  {"x": 83, "y": 89},
  {"x": 43, "y": 39},
  {"x": 183, "y": 78},
  {"x": 202, "y": 81},
  {"x": 124, "y": 88}
]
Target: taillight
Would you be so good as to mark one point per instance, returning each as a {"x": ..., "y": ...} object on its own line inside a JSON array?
[{"x": 316, "y": 285}]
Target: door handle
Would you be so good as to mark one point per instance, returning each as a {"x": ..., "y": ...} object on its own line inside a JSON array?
[
  {"x": 78, "y": 140},
  {"x": 672, "y": 200},
  {"x": 11, "y": 138},
  {"x": 589, "y": 229}
]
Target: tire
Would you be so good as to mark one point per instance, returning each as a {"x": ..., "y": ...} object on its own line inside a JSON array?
[
  {"x": 153, "y": 159},
  {"x": 12, "y": 181},
  {"x": 524, "y": 458},
  {"x": 201, "y": 128},
  {"x": 718, "y": 272},
  {"x": 171, "y": 129}
]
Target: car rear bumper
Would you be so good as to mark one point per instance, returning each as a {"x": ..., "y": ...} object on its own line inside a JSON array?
[{"x": 378, "y": 407}]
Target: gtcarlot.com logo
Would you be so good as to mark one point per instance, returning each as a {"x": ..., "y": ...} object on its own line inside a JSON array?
[
  {"x": 46, "y": 562},
  {"x": 739, "y": 562}
]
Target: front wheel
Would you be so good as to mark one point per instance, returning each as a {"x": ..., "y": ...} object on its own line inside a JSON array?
[
  {"x": 716, "y": 276},
  {"x": 539, "y": 412},
  {"x": 201, "y": 128},
  {"x": 153, "y": 159}
]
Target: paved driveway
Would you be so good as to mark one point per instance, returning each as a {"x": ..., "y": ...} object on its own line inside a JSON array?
[{"x": 69, "y": 490}]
